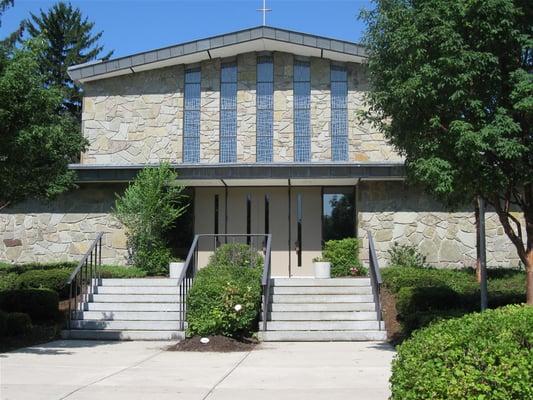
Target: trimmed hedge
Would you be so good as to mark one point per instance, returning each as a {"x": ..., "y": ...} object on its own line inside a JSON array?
[
  {"x": 119, "y": 271},
  {"x": 52, "y": 279},
  {"x": 485, "y": 355},
  {"x": 344, "y": 257},
  {"x": 40, "y": 304},
  {"x": 225, "y": 298},
  {"x": 6, "y": 268},
  {"x": 424, "y": 295},
  {"x": 18, "y": 324},
  {"x": 214, "y": 300}
]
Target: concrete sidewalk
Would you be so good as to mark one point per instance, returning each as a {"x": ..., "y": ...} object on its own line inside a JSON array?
[{"x": 83, "y": 370}]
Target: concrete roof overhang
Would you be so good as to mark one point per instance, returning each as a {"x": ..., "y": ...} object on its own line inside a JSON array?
[
  {"x": 294, "y": 174},
  {"x": 254, "y": 39}
]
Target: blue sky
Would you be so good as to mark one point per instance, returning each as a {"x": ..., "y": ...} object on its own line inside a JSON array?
[{"x": 133, "y": 26}]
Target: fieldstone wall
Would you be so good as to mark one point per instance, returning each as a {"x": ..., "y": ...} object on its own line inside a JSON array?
[
  {"x": 138, "y": 118},
  {"x": 134, "y": 118},
  {"x": 63, "y": 229},
  {"x": 395, "y": 212}
]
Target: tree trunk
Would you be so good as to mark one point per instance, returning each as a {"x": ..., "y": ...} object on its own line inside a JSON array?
[{"x": 529, "y": 276}]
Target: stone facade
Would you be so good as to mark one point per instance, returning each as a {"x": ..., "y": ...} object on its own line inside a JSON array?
[
  {"x": 394, "y": 212},
  {"x": 63, "y": 229},
  {"x": 138, "y": 118}
]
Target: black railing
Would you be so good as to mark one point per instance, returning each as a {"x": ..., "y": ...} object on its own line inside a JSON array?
[
  {"x": 83, "y": 279},
  {"x": 375, "y": 275},
  {"x": 210, "y": 242}
]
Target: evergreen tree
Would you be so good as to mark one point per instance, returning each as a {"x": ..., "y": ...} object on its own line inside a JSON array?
[{"x": 69, "y": 40}]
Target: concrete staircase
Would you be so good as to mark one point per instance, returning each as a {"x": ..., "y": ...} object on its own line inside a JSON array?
[
  {"x": 307, "y": 309},
  {"x": 129, "y": 309}
]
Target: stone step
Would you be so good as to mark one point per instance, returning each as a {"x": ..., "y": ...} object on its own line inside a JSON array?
[
  {"x": 122, "y": 335},
  {"x": 322, "y": 336},
  {"x": 321, "y": 298},
  {"x": 134, "y": 298},
  {"x": 321, "y": 290},
  {"x": 125, "y": 325},
  {"x": 323, "y": 325},
  {"x": 132, "y": 306},
  {"x": 136, "y": 290},
  {"x": 321, "y": 282},
  {"x": 128, "y": 315},
  {"x": 323, "y": 316},
  {"x": 137, "y": 282},
  {"x": 330, "y": 307}
]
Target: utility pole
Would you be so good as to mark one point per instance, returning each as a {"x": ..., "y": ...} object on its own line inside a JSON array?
[{"x": 482, "y": 254}]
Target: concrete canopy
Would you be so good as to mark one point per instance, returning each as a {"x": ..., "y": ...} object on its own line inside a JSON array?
[{"x": 254, "y": 39}]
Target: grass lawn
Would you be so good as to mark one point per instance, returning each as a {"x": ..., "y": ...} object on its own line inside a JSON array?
[{"x": 415, "y": 297}]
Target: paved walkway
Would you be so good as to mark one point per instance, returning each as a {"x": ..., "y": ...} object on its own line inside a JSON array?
[{"x": 83, "y": 370}]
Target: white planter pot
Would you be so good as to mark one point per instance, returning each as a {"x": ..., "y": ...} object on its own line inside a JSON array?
[
  {"x": 175, "y": 268},
  {"x": 322, "y": 270}
]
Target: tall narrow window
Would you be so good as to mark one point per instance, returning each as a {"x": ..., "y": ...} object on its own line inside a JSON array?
[
  {"x": 339, "y": 113},
  {"x": 248, "y": 218},
  {"x": 228, "y": 112},
  {"x": 216, "y": 214},
  {"x": 299, "y": 221},
  {"x": 191, "y": 116},
  {"x": 302, "y": 106},
  {"x": 265, "y": 108},
  {"x": 338, "y": 213},
  {"x": 267, "y": 214}
]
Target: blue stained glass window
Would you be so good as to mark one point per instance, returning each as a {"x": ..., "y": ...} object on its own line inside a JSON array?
[
  {"x": 228, "y": 112},
  {"x": 339, "y": 113},
  {"x": 265, "y": 109},
  {"x": 191, "y": 116},
  {"x": 302, "y": 106}
]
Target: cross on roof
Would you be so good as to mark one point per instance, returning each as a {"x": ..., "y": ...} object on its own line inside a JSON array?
[{"x": 264, "y": 10}]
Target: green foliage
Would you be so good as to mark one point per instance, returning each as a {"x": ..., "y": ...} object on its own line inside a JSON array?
[
  {"x": 405, "y": 256},
  {"x": 119, "y": 271},
  {"x": 232, "y": 279},
  {"x": 52, "y": 279},
  {"x": 236, "y": 255},
  {"x": 18, "y": 324},
  {"x": 39, "y": 304},
  {"x": 36, "y": 142},
  {"x": 478, "y": 356},
  {"x": 3, "y": 323},
  {"x": 452, "y": 90},
  {"x": 69, "y": 40},
  {"x": 148, "y": 208},
  {"x": 8, "y": 281},
  {"x": 8, "y": 268},
  {"x": 428, "y": 294},
  {"x": 344, "y": 257},
  {"x": 215, "y": 293}
]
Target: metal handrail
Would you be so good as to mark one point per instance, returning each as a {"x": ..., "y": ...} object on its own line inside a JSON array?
[
  {"x": 375, "y": 275},
  {"x": 190, "y": 267},
  {"x": 81, "y": 280}
]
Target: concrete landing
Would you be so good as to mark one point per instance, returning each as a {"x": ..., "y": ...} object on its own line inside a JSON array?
[{"x": 83, "y": 370}]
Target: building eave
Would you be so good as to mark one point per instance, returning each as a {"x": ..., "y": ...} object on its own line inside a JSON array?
[
  {"x": 254, "y": 39},
  {"x": 306, "y": 174}
]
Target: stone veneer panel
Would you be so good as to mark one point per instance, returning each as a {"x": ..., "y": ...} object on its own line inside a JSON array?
[
  {"x": 320, "y": 110},
  {"x": 134, "y": 118},
  {"x": 394, "y": 212},
  {"x": 365, "y": 143},
  {"x": 63, "y": 229},
  {"x": 283, "y": 108},
  {"x": 246, "y": 107},
  {"x": 210, "y": 116}
]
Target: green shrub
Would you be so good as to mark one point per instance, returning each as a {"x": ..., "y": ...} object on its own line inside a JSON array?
[
  {"x": 18, "y": 324},
  {"x": 3, "y": 323},
  {"x": 485, "y": 355},
  {"x": 53, "y": 279},
  {"x": 119, "y": 271},
  {"x": 148, "y": 209},
  {"x": 6, "y": 268},
  {"x": 39, "y": 304},
  {"x": 236, "y": 255},
  {"x": 344, "y": 257},
  {"x": 405, "y": 256},
  {"x": 8, "y": 282},
  {"x": 232, "y": 279},
  {"x": 428, "y": 294}
]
